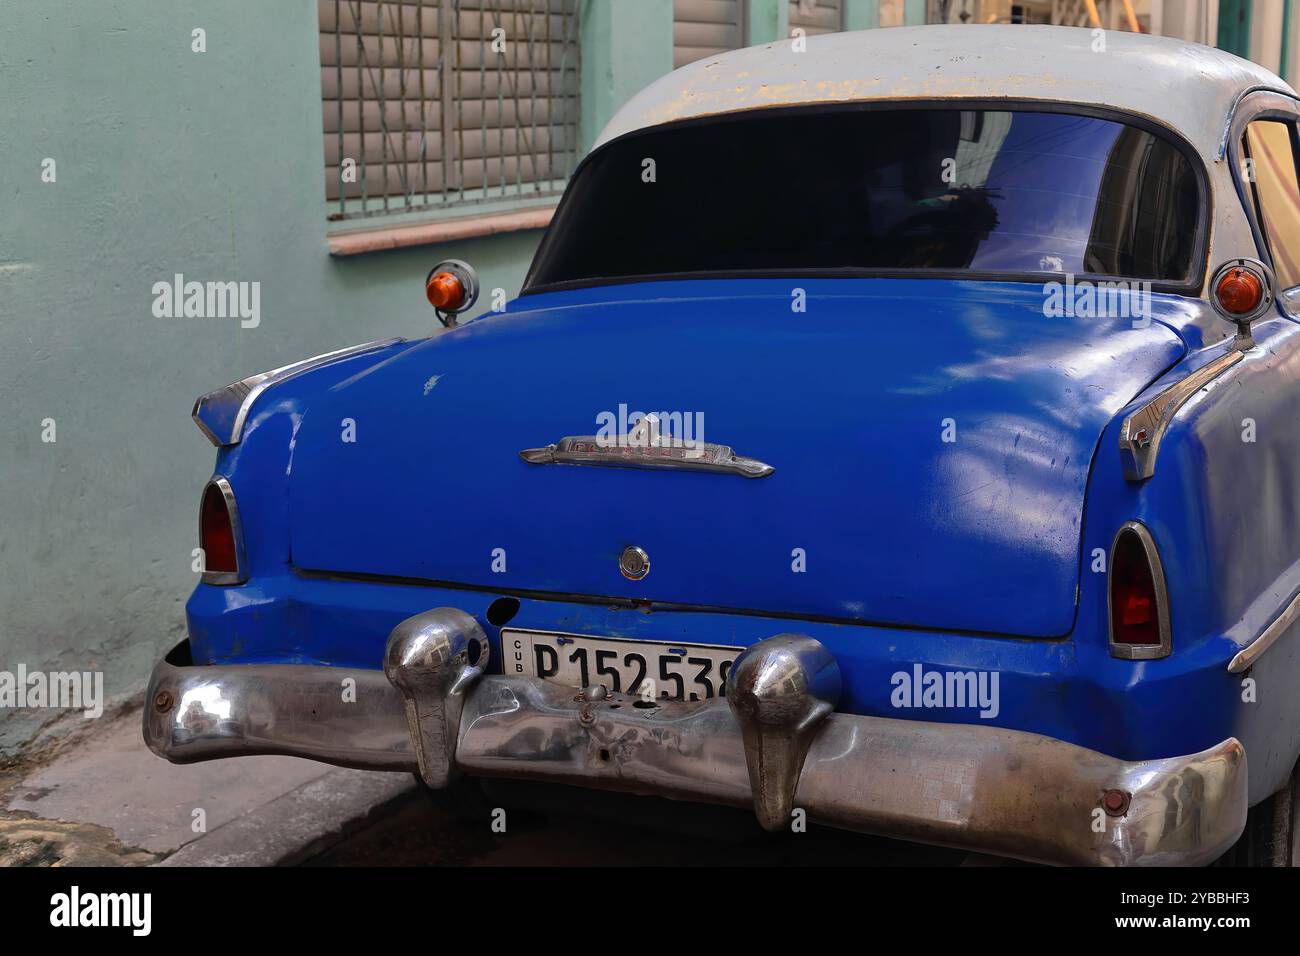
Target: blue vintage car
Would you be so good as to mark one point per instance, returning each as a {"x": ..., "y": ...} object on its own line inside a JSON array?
[{"x": 900, "y": 433}]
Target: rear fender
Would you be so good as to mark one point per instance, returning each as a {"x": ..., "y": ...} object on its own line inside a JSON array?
[{"x": 1224, "y": 511}]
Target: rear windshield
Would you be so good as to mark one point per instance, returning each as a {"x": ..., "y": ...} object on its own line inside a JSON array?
[{"x": 858, "y": 190}]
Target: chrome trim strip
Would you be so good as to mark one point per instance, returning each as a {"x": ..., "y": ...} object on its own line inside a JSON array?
[
  {"x": 1143, "y": 430},
  {"x": 979, "y": 787},
  {"x": 586, "y": 450},
  {"x": 1141, "y": 652},
  {"x": 221, "y": 414},
  {"x": 240, "y": 574},
  {"x": 1254, "y": 650},
  {"x": 645, "y": 446},
  {"x": 1232, "y": 113}
]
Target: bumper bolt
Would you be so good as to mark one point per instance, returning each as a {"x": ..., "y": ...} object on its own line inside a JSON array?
[
  {"x": 1115, "y": 803},
  {"x": 162, "y": 701}
]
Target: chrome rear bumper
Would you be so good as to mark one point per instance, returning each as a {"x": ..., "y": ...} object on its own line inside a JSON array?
[{"x": 774, "y": 744}]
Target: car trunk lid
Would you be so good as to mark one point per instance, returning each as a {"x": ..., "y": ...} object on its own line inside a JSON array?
[{"x": 931, "y": 441}]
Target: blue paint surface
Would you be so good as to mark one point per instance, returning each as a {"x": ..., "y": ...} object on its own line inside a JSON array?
[
  {"x": 973, "y": 555},
  {"x": 848, "y": 401}
]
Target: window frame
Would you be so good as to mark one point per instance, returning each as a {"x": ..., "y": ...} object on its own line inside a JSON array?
[
  {"x": 1253, "y": 105},
  {"x": 1258, "y": 225},
  {"x": 1193, "y": 285}
]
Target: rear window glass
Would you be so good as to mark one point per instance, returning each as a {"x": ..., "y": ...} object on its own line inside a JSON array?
[{"x": 878, "y": 190}]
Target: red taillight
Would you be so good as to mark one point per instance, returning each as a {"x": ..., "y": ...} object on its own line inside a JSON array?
[
  {"x": 1138, "y": 617},
  {"x": 217, "y": 532}
]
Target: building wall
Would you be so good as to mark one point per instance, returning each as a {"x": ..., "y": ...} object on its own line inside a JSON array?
[
  {"x": 1266, "y": 34},
  {"x": 166, "y": 161},
  {"x": 1195, "y": 20}
]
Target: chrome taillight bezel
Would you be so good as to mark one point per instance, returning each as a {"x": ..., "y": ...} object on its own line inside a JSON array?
[
  {"x": 240, "y": 574},
  {"x": 1140, "y": 652}
]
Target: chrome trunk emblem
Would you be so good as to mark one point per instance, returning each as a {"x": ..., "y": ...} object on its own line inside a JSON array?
[{"x": 645, "y": 447}]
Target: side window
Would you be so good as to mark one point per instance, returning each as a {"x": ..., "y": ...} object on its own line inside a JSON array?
[{"x": 1270, "y": 148}]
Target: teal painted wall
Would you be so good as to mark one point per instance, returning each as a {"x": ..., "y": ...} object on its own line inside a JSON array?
[
  {"x": 861, "y": 14},
  {"x": 207, "y": 164},
  {"x": 1234, "y": 27},
  {"x": 626, "y": 44},
  {"x": 766, "y": 20}
]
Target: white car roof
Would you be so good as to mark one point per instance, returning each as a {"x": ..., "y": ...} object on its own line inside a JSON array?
[{"x": 1186, "y": 86}]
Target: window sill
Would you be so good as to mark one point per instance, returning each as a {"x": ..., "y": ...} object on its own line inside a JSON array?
[{"x": 359, "y": 242}]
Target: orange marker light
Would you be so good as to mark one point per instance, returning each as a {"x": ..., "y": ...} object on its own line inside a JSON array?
[
  {"x": 445, "y": 291},
  {"x": 1239, "y": 291}
]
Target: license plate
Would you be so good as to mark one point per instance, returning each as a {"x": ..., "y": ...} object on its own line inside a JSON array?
[{"x": 648, "y": 669}]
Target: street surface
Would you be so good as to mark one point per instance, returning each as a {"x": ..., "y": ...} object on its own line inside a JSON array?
[{"x": 576, "y": 829}]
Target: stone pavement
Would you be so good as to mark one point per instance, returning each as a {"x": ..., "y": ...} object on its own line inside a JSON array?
[{"x": 98, "y": 797}]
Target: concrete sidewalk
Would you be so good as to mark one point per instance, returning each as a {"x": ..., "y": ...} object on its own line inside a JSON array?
[{"x": 98, "y": 797}]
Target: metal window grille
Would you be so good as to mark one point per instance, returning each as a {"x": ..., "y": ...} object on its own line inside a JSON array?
[{"x": 444, "y": 104}]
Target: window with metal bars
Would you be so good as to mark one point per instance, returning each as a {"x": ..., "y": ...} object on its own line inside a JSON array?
[{"x": 447, "y": 104}]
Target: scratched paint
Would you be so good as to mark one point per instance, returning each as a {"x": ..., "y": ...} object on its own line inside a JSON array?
[{"x": 1190, "y": 87}]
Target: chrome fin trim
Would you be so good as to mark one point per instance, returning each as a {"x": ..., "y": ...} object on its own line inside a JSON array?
[
  {"x": 1143, "y": 430},
  {"x": 1247, "y": 656},
  {"x": 221, "y": 414}
]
